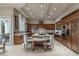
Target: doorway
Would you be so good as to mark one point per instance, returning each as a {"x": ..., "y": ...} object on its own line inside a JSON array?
[{"x": 5, "y": 28}]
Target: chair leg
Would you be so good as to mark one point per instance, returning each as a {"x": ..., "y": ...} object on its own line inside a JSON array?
[
  {"x": 33, "y": 46},
  {"x": 24, "y": 46},
  {"x": 3, "y": 50},
  {"x": 53, "y": 46},
  {"x": 26, "y": 49},
  {"x": 45, "y": 47},
  {"x": 50, "y": 47}
]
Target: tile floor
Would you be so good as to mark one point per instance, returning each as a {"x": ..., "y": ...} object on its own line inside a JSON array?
[{"x": 59, "y": 50}]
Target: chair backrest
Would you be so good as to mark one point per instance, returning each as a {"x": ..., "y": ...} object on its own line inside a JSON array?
[
  {"x": 46, "y": 37},
  {"x": 25, "y": 39},
  {"x": 1, "y": 37},
  {"x": 4, "y": 39},
  {"x": 4, "y": 43},
  {"x": 7, "y": 35},
  {"x": 52, "y": 38}
]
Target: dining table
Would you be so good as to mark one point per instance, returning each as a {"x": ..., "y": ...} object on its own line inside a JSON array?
[{"x": 37, "y": 38}]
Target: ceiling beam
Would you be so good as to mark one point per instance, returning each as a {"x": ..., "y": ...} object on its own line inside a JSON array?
[
  {"x": 25, "y": 11},
  {"x": 26, "y": 14},
  {"x": 48, "y": 8}
]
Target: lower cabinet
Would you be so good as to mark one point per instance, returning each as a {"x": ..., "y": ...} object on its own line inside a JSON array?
[
  {"x": 68, "y": 41},
  {"x": 72, "y": 23},
  {"x": 74, "y": 44},
  {"x": 17, "y": 39},
  {"x": 72, "y": 40}
]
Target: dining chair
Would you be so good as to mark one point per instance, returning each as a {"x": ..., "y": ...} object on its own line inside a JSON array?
[
  {"x": 50, "y": 42},
  {"x": 27, "y": 42},
  {"x": 7, "y": 36},
  {"x": 2, "y": 46}
]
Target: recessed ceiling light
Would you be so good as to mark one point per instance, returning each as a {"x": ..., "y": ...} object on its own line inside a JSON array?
[
  {"x": 31, "y": 13},
  {"x": 41, "y": 12},
  {"x": 51, "y": 13},
  {"x": 28, "y": 8},
  {"x": 49, "y": 16},
  {"x": 41, "y": 6},
  {"x": 55, "y": 8}
]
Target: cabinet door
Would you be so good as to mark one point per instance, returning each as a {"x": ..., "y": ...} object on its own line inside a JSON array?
[
  {"x": 78, "y": 35},
  {"x": 17, "y": 40},
  {"x": 74, "y": 44},
  {"x": 69, "y": 36}
]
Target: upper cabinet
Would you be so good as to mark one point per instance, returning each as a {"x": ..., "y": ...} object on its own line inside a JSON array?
[{"x": 45, "y": 26}]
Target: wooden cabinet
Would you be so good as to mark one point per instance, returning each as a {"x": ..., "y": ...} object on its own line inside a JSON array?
[
  {"x": 74, "y": 43},
  {"x": 36, "y": 26},
  {"x": 68, "y": 38},
  {"x": 72, "y": 23},
  {"x": 17, "y": 39},
  {"x": 46, "y": 26},
  {"x": 68, "y": 41},
  {"x": 78, "y": 34}
]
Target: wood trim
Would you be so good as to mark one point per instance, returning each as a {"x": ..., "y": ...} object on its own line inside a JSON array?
[
  {"x": 70, "y": 14},
  {"x": 69, "y": 17}
]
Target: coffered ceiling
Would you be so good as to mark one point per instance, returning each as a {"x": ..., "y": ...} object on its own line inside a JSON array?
[
  {"x": 40, "y": 11},
  {"x": 45, "y": 11}
]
